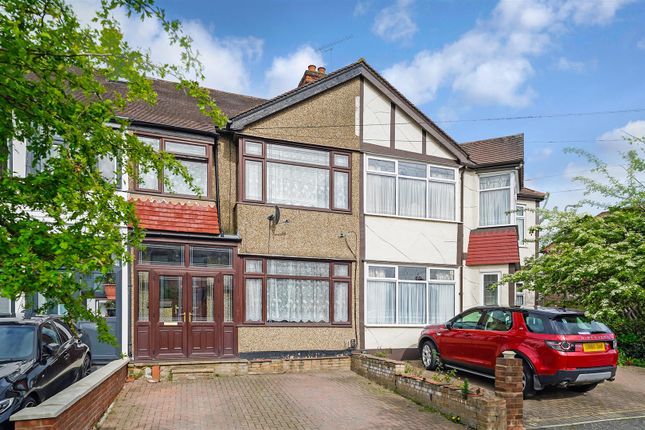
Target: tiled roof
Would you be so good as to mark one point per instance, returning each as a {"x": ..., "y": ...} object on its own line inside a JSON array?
[
  {"x": 528, "y": 193},
  {"x": 177, "y": 217},
  {"x": 175, "y": 108},
  {"x": 497, "y": 245},
  {"x": 498, "y": 150}
]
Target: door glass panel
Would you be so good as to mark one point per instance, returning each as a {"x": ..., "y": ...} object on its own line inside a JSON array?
[
  {"x": 170, "y": 298},
  {"x": 228, "y": 298},
  {"x": 143, "y": 297},
  {"x": 203, "y": 305}
]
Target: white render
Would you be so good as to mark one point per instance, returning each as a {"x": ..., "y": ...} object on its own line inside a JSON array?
[
  {"x": 407, "y": 134},
  {"x": 376, "y": 117}
]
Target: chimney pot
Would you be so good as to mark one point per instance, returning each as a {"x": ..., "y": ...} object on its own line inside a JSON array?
[
  {"x": 312, "y": 68},
  {"x": 322, "y": 70}
]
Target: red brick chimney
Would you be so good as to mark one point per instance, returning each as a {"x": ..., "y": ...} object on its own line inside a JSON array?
[{"x": 312, "y": 75}]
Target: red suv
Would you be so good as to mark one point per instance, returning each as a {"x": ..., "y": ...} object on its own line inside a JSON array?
[{"x": 558, "y": 346}]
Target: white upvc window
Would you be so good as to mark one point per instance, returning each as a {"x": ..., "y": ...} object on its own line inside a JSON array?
[
  {"x": 496, "y": 199},
  {"x": 409, "y": 295},
  {"x": 410, "y": 189},
  {"x": 490, "y": 294},
  {"x": 519, "y": 294},
  {"x": 520, "y": 219}
]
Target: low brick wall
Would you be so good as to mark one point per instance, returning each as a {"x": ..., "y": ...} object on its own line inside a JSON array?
[
  {"x": 79, "y": 406},
  {"x": 475, "y": 411}
]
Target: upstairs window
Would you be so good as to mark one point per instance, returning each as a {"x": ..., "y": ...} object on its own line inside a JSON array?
[
  {"x": 495, "y": 199},
  {"x": 194, "y": 157},
  {"x": 410, "y": 189},
  {"x": 296, "y": 176},
  {"x": 521, "y": 225}
]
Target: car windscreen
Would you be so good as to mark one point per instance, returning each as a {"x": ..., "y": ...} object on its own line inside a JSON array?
[
  {"x": 577, "y": 324},
  {"x": 17, "y": 342}
]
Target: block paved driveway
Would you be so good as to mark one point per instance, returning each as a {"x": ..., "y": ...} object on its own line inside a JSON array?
[{"x": 324, "y": 400}]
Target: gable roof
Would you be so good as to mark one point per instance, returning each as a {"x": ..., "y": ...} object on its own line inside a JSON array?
[
  {"x": 497, "y": 150},
  {"x": 498, "y": 245},
  {"x": 340, "y": 76},
  {"x": 175, "y": 108}
]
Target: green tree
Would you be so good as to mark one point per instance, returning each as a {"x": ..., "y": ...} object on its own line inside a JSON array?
[
  {"x": 597, "y": 263},
  {"x": 66, "y": 219}
]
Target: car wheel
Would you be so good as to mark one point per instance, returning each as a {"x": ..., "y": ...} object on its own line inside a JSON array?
[
  {"x": 86, "y": 368},
  {"x": 528, "y": 388},
  {"x": 430, "y": 356},
  {"x": 29, "y": 402},
  {"x": 583, "y": 388}
]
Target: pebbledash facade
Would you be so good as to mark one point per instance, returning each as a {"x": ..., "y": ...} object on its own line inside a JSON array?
[{"x": 334, "y": 216}]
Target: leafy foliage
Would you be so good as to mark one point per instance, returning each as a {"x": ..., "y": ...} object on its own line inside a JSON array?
[
  {"x": 66, "y": 219},
  {"x": 597, "y": 263}
]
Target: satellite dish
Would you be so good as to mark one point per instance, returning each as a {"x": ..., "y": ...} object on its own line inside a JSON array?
[{"x": 275, "y": 216}]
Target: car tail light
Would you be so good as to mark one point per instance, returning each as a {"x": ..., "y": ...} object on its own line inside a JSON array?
[{"x": 563, "y": 346}]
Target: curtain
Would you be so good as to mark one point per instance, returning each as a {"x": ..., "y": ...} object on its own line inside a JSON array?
[
  {"x": 198, "y": 170},
  {"x": 253, "y": 180},
  {"x": 412, "y": 197},
  {"x": 5, "y": 306},
  {"x": 381, "y": 298},
  {"x": 381, "y": 272},
  {"x": 496, "y": 181},
  {"x": 520, "y": 230},
  {"x": 490, "y": 294},
  {"x": 412, "y": 303},
  {"x": 253, "y": 299},
  {"x": 297, "y": 185},
  {"x": 298, "y": 268},
  {"x": 341, "y": 295},
  {"x": 494, "y": 207},
  {"x": 341, "y": 190},
  {"x": 442, "y": 303},
  {"x": 297, "y": 300},
  {"x": 252, "y": 266},
  {"x": 441, "y": 198},
  {"x": 380, "y": 194}
]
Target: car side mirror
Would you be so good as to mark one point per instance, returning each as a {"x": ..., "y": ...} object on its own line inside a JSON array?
[
  {"x": 449, "y": 325},
  {"x": 50, "y": 349}
]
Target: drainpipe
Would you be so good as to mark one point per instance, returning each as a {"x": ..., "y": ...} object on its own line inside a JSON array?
[
  {"x": 463, "y": 230},
  {"x": 217, "y": 196}
]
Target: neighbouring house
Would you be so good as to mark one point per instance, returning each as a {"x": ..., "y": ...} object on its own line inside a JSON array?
[{"x": 334, "y": 216}]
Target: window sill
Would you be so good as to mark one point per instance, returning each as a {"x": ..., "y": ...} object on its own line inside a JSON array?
[
  {"x": 444, "y": 221},
  {"x": 303, "y": 208}
]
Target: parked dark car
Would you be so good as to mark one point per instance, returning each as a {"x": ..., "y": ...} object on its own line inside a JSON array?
[
  {"x": 558, "y": 347},
  {"x": 39, "y": 357}
]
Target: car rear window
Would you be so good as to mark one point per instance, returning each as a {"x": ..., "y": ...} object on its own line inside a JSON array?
[{"x": 578, "y": 324}]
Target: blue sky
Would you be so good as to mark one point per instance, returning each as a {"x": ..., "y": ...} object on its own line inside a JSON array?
[{"x": 456, "y": 60}]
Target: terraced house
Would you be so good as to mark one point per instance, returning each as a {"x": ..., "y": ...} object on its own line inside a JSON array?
[{"x": 334, "y": 216}]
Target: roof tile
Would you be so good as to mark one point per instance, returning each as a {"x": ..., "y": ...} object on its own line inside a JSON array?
[{"x": 497, "y": 245}]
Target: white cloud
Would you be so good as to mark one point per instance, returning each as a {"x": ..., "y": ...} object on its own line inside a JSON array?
[
  {"x": 541, "y": 154},
  {"x": 566, "y": 65},
  {"x": 362, "y": 7},
  {"x": 394, "y": 23},
  {"x": 285, "y": 72},
  {"x": 615, "y": 140},
  {"x": 226, "y": 60},
  {"x": 492, "y": 63}
]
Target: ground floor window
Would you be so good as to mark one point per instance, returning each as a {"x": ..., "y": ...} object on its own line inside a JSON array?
[
  {"x": 5, "y": 307},
  {"x": 296, "y": 291},
  {"x": 489, "y": 281},
  {"x": 409, "y": 295},
  {"x": 519, "y": 294}
]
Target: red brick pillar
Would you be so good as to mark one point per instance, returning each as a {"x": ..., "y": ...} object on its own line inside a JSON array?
[{"x": 508, "y": 386}]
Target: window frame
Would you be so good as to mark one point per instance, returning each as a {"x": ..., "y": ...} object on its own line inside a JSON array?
[
  {"x": 521, "y": 236},
  {"x": 482, "y": 287},
  {"x": 331, "y": 168},
  {"x": 512, "y": 195},
  {"x": 264, "y": 276},
  {"x": 428, "y": 179},
  {"x": 160, "y": 190},
  {"x": 428, "y": 282},
  {"x": 519, "y": 289}
]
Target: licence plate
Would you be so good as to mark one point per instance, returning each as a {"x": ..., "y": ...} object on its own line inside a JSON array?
[{"x": 593, "y": 347}]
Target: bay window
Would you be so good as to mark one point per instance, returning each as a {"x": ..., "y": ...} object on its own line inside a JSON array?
[
  {"x": 410, "y": 189},
  {"x": 409, "y": 295},
  {"x": 193, "y": 156},
  {"x": 295, "y": 176},
  {"x": 495, "y": 199},
  {"x": 296, "y": 291}
]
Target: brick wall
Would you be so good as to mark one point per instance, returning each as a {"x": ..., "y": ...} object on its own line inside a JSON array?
[
  {"x": 81, "y": 411},
  {"x": 474, "y": 410},
  {"x": 508, "y": 386}
]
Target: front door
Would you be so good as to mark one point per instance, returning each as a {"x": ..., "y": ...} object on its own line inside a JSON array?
[{"x": 190, "y": 313}]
